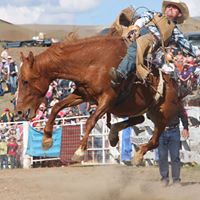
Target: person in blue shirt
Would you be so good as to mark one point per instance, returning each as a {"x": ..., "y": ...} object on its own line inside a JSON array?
[{"x": 150, "y": 31}]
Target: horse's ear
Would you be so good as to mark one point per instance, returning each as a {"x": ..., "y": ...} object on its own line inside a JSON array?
[
  {"x": 31, "y": 58},
  {"x": 22, "y": 57}
]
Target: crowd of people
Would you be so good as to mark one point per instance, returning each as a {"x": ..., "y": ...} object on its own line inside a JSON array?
[
  {"x": 8, "y": 73},
  {"x": 10, "y": 146},
  {"x": 184, "y": 68}
]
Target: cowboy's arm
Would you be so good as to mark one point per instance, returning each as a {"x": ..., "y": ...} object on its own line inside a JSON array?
[
  {"x": 184, "y": 119},
  {"x": 144, "y": 19},
  {"x": 183, "y": 43}
]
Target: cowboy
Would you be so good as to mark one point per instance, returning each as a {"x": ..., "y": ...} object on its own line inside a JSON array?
[{"x": 149, "y": 32}]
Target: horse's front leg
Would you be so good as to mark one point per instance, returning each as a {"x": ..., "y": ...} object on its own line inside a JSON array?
[
  {"x": 70, "y": 100},
  {"x": 101, "y": 109}
]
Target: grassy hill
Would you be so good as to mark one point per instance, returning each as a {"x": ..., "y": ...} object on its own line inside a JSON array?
[
  {"x": 13, "y": 32},
  {"x": 61, "y": 31},
  {"x": 9, "y": 31}
]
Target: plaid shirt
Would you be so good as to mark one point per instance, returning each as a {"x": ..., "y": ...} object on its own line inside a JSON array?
[{"x": 177, "y": 36}]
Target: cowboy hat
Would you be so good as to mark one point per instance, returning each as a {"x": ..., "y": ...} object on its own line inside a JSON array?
[{"x": 180, "y": 5}]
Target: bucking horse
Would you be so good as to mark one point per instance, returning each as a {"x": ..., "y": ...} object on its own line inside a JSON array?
[{"x": 87, "y": 63}]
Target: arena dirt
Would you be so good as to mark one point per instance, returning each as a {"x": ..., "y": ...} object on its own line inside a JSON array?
[{"x": 96, "y": 183}]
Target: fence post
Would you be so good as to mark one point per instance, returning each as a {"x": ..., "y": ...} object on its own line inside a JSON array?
[{"x": 26, "y": 159}]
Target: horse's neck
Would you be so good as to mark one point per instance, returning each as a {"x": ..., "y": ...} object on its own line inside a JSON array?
[{"x": 57, "y": 68}]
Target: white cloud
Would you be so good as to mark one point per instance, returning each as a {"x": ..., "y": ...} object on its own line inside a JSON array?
[
  {"x": 20, "y": 15},
  {"x": 50, "y": 12},
  {"x": 78, "y": 5}
]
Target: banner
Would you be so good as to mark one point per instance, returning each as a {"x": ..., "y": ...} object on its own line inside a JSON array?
[{"x": 34, "y": 147}]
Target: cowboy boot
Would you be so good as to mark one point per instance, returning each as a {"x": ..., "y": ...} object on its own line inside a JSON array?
[{"x": 116, "y": 77}]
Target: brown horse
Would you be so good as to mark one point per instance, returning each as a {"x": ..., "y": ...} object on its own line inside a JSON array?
[{"x": 87, "y": 62}]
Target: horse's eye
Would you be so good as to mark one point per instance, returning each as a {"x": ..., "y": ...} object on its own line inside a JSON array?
[{"x": 25, "y": 82}]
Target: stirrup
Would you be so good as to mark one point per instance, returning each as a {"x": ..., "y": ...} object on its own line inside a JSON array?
[{"x": 114, "y": 84}]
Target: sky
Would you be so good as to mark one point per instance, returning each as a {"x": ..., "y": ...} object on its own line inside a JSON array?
[{"x": 76, "y": 12}]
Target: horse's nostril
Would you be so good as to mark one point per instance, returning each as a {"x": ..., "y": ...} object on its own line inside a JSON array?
[{"x": 19, "y": 112}]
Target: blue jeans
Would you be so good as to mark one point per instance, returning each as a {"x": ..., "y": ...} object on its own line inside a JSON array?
[
  {"x": 1, "y": 90},
  {"x": 128, "y": 63},
  {"x": 126, "y": 154},
  {"x": 13, "y": 84},
  {"x": 4, "y": 161},
  {"x": 169, "y": 141},
  {"x": 13, "y": 161}
]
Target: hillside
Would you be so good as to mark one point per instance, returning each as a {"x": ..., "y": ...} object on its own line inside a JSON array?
[
  {"x": 13, "y": 32},
  {"x": 61, "y": 31},
  {"x": 191, "y": 25}
]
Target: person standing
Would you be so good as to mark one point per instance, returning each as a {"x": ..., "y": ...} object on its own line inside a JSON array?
[
  {"x": 12, "y": 151},
  {"x": 7, "y": 115},
  {"x": 169, "y": 141},
  {"x": 126, "y": 149},
  {"x": 4, "y": 53},
  {"x": 3, "y": 153},
  {"x": 12, "y": 74}
]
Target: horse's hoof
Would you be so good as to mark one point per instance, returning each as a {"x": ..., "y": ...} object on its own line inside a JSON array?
[
  {"x": 138, "y": 158},
  {"x": 78, "y": 155},
  {"x": 47, "y": 143},
  {"x": 114, "y": 139}
]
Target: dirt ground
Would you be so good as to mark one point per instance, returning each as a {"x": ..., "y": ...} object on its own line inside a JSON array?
[{"x": 96, "y": 183}]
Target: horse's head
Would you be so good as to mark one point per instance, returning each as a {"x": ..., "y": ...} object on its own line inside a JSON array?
[{"x": 32, "y": 86}]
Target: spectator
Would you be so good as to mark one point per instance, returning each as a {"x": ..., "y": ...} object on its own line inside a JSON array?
[
  {"x": 1, "y": 80},
  {"x": 84, "y": 108},
  {"x": 126, "y": 154},
  {"x": 184, "y": 76},
  {"x": 4, "y": 53},
  {"x": 49, "y": 94},
  {"x": 169, "y": 141},
  {"x": 52, "y": 103},
  {"x": 4, "y": 74},
  {"x": 72, "y": 86},
  {"x": 12, "y": 74},
  {"x": 12, "y": 151},
  {"x": 3, "y": 153},
  {"x": 7, "y": 115}
]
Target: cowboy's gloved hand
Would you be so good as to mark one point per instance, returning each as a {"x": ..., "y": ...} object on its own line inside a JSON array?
[{"x": 134, "y": 32}]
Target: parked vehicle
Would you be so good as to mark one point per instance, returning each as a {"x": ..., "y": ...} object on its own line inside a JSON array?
[
  {"x": 194, "y": 38},
  {"x": 28, "y": 43}
]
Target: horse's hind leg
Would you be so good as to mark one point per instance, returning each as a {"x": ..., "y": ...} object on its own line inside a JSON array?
[
  {"x": 70, "y": 100},
  {"x": 115, "y": 128},
  {"x": 152, "y": 144},
  {"x": 160, "y": 119}
]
